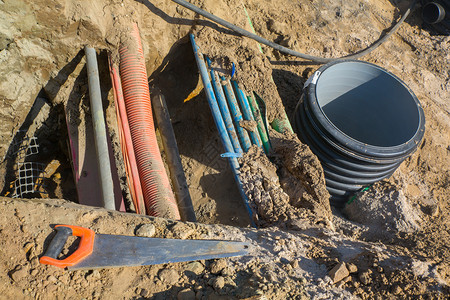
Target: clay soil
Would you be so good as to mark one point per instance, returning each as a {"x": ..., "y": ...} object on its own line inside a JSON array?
[{"x": 395, "y": 245}]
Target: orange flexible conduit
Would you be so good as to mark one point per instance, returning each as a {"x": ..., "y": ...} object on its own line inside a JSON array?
[
  {"x": 158, "y": 196},
  {"x": 129, "y": 157}
]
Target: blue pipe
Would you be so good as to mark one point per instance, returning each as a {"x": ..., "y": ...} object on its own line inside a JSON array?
[
  {"x": 211, "y": 97},
  {"x": 246, "y": 111},
  {"x": 235, "y": 168},
  {"x": 219, "y": 123},
  {"x": 220, "y": 97},
  {"x": 236, "y": 113}
]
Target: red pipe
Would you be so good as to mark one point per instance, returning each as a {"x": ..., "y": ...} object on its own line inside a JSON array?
[
  {"x": 125, "y": 140},
  {"x": 158, "y": 196}
]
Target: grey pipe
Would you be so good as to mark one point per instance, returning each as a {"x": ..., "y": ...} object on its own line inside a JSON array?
[
  {"x": 169, "y": 142},
  {"x": 287, "y": 50},
  {"x": 101, "y": 139}
]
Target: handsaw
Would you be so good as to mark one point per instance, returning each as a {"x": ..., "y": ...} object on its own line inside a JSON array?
[{"x": 106, "y": 251}]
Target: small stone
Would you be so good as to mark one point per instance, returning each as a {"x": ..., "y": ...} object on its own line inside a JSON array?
[
  {"x": 365, "y": 278},
  {"x": 218, "y": 265},
  {"x": 186, "y": 294},
  {"x": 228, "y": 271},
  {"x": 352, "y": 268},
  {"x": 380, "y": 269},
  {"x": 169, "y": 276},
  {"x": 146, "y": 230},
  {"x": 33, "y": 272},
  {"x": 52, "y": 278},
  {"x": 96, "y": 274},
  {"x": 19, "y": 273},
  {"x": 219, "y": 283},
  {"x": 181, "y": 231},
  {"x": 294, "y": 264},
  {"x": 195, "y": 267},
  {"x": 339, "y": 272}
]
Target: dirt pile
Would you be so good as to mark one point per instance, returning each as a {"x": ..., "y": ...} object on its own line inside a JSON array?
[
  {"x": 292, "y": 190},
  {"x": 280, "y": 264},
  {"x": 385, "y": 210}
]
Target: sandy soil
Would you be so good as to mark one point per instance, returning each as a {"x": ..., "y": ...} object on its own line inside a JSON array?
[{"x": 404, "y": 255}]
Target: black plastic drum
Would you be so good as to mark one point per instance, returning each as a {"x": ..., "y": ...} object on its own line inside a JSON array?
[{"x": 361, "y": 121}]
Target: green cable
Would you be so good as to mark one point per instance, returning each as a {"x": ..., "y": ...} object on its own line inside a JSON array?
[
  {"x": 251, "y": 25},
  {"x": 259, "y": 123},
  {"x": 352, "y": 198},
  {"x": 281, "y": 125}
]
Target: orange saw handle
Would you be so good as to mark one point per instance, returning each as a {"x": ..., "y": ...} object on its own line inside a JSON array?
[{"x": 85, "y": 246}]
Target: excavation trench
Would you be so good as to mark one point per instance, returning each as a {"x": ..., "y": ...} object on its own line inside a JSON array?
[
  {"x": 42, "y": 142},
  {"x": 60, "y": 125}
]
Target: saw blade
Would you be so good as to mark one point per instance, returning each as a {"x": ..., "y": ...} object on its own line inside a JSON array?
[{"x": 119, "y": 251}]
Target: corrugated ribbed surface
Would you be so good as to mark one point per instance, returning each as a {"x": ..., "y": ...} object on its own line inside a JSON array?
[{"x": 159, "y": 198}]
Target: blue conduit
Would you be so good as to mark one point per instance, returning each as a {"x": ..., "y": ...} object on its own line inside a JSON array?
[
  {"x": 236, "y": 113},
  {"x": 247, "y": 112},
  {"x": 220, "y": 124},
  {"x": 226, "y": 117}
]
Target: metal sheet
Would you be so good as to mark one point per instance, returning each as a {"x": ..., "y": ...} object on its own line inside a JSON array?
[{"x": 119, "y": 251}]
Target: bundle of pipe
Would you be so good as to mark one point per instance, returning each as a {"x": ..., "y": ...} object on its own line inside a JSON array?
[
  {"x": 158, "y": 196},
  {"x": 129, "y": 157},
  {"x": 227, "y": 116}
]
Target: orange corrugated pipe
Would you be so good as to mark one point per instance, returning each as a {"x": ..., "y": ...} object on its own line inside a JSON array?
[
  {"x": 158, "y": 196},
  {"x": 125, "y": 139}
]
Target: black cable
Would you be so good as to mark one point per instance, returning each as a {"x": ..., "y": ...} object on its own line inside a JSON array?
[{"x": 287, "y": 50}]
